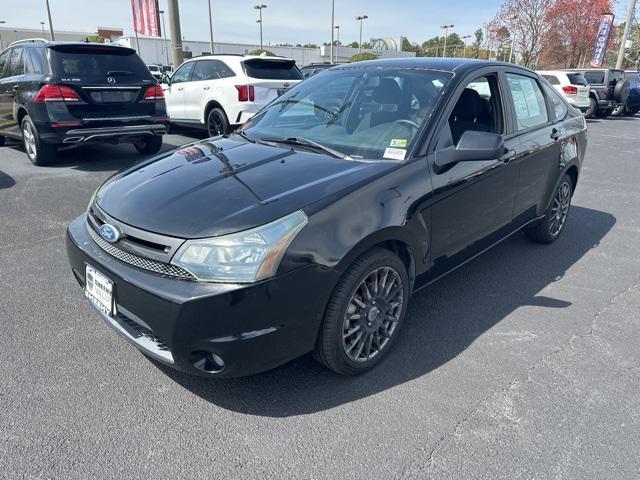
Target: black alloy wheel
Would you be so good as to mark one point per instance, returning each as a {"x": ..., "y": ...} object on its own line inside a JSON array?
[
  {"x": 551, "y": 226},
  {"x": 364, "y": 313},
  {"x": 217, "y": 123}
]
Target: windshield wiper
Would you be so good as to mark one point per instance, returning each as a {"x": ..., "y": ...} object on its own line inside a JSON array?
[
  {"x": 120, "y": 72},
  {"x": 305, "y": 142},
  {"x": 241, "y": 133}
]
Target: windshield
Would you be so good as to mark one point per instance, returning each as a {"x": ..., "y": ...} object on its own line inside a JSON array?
[{"x": 371, "y": 113}]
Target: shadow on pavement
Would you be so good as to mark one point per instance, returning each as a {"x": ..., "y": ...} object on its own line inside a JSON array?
[
  {"x": 442, "y": 321},
  {"x": 6, "y": 181}
]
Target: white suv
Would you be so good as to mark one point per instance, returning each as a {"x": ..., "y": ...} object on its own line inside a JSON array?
[
  {"x": 218, "y": 92},
  {"x": 572, "y": 86}
]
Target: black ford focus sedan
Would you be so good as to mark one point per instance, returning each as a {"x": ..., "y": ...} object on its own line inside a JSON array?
[{"x": 309, "y": 229}]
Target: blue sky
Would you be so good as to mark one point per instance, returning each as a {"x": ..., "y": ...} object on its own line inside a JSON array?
[{"x": 293, "y": 21}]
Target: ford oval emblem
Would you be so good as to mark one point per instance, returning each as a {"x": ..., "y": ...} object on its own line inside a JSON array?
[{"x": 110, "y": 233}]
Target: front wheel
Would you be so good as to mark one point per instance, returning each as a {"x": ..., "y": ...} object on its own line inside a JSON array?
[
  {"x": 149, "y": 145},
  {"x": 364, "y": 314},
  {"x": 548, "y": 230}
]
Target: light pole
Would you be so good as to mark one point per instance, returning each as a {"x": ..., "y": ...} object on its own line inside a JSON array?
[
  {"x": 50, "y": 22},
  {"x": 361, "y": 18},
  {"x": 1, "y": 44},
  {"x": 337, "y": 27},
  {"x": 44, "y": 35},
  {"x": 464, "y": 51},
  {"x": 164, "y": 35},
  {"x": 446, "y": 34},
  {"x": 513, "y": 36},
  {"x": 210, "y": 27},
  {"x": 333, "y": 21},
  {"x": 259, "y": 8}
]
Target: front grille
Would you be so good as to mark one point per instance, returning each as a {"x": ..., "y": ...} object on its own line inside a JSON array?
[{"x": 140, "y": 262}]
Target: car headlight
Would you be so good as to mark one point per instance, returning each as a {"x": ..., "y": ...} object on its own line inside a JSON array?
[{"x": 242, "y": 257}]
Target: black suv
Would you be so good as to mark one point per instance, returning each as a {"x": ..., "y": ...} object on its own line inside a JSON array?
[
  {"x": 609, "y": 90},
  {"x": 64, "y": 93}
]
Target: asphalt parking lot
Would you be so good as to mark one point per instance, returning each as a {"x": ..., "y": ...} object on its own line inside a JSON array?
[{"x": 523, "y": 364}]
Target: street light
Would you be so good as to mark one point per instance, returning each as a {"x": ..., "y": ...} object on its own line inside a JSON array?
[
  {"x": 337, "y": 27},
  {"x": 259, "y": 8},
  {"x": 44, "y": 35},
  {"x": 164, "y": 34},
  {"x": 464, "y": 39},
  {"x": 513, "y": 36},
  {"x": 446, "y": 34},
  {"x": 361, "y": 18}
]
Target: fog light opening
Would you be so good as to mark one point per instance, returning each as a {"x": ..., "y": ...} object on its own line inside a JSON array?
[{"x": 207, "y": 362}]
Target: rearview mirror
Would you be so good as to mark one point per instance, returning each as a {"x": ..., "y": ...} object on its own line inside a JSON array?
[{"x": 472, "y": 146}]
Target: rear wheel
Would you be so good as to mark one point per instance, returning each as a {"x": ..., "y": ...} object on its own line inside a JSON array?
[
  {"x": 630, "y": 112},
  {"x": 149, "y": 145},
  {"x": 593, "y": 106},
  {"x": 39, "y": 153},
  {"x": 217, "y": 123},
  {"x": 550, "y": 227},
  {"x": 364, "y": 314}
]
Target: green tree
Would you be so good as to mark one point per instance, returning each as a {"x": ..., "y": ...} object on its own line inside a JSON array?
[
  {"x": 353, "y": 45},
  {"x": 95, "y": 39},
  {"x": 360, "y": 57},
  {"x": 260, "y": 52},
  {"x": 310, "y": 45},
  {"x": 477, "y": 43}
]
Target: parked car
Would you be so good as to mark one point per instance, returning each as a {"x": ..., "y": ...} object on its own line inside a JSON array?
[
  {"x": 315, "y": 68},
  {"x": 219, "y": 92},
  {"x": 157, "y": 71},
  {"x": 633, "y": 101},
  {"x": 67, "y": 93},
  {"x": 309, "y": 228},
  {"x": 573, "y": 87},
  {"x": 609, "y": 89}
]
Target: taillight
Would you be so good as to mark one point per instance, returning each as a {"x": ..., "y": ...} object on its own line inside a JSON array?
[
  {"x": 570, "y": 90},
  {"x": 56, "y": 93},
  {"x": 245, "y": 93},
  {"x": 154, "y": 92}
]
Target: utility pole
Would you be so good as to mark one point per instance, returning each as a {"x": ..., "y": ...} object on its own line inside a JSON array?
[
  {"x": 259, "y": 8},
  {"x": 164, "y": 34},
  {"x": 446, "y": 34},
  {"x": 50, "y": 22},
  {"x": 333, "y": 17},
  {"x": 210, "y": 27},
  {"x": 361, "y": 18},
  {"x": 625, "y": 35},
  {"x": 513, "y": 37},
  {"x": 176, "y": 35}
]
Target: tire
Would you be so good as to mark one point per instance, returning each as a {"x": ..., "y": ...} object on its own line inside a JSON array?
[
  {"x": 377, "y": 317},
  {"x": 149, "y": 145},
  {"x": 39, "y": 153},
  {"x": 593, "y": 106},
  {"x": 1, "y": 140},
  {"x": 603, "y": 112},
  {"x": 630, "y": 112},
  {"x": 619, "y": 111},
  {"x": 217, "y": 123},
  {"x": 621, "y": 91},
  {"x": 548, "y": 230}
]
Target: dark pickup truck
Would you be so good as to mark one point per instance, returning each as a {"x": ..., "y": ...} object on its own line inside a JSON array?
[{"x": 609, "y": 89}]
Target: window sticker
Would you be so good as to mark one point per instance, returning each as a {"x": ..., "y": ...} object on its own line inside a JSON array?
[
  {"x": 398, "y": 142},
  {"x": 395, "y": 153}
]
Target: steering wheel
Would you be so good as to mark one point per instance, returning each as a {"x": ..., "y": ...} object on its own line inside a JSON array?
[{"x": 404, "y": 121}]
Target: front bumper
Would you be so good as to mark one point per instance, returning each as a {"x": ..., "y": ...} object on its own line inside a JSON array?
[{"x": 252, "y": 328}]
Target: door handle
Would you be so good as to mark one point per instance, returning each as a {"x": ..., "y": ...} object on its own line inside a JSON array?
[
  {"x": 508, "y": 156},
  {"x": 15, "y": 87},
  {"x": 180, "y": 89},
  {"x": 206, "y": 88},
  {"x": 556, "y": 133}
]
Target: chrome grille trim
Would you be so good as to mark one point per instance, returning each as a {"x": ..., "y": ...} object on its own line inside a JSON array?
[{"x": 140, "y": 262}]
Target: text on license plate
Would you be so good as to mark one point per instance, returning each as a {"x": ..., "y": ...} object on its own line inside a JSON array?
[{"x": 99, "y": 289}]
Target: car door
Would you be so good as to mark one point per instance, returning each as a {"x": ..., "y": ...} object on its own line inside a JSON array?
[
  {"x": 9, "y": 87},
  {"x": 205, "y": 84},
  {"x": 473, "y": 200},
  {"x": 538, "y": 150},
  {"x": 174, "y": 94}
]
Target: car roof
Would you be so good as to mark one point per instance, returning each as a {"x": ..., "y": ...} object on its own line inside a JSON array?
[
  {"x": 231, "y": 56},
  {"x": 458, "y": 65}
]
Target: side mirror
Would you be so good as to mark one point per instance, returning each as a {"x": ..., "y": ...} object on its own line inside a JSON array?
[
  {"x": 472, "y": 146},
  {"x": 166, "y": 79}
]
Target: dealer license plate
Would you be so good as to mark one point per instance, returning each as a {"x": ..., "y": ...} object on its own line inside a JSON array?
[{"x": 99, "y": 290}]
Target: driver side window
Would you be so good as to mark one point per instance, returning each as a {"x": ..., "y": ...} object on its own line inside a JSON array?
[
  {"x": 478, "y": 109},
  {"x": 183, "y": 73}
]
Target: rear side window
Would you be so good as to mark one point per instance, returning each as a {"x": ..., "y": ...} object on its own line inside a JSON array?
[
  {"x": 90, "y": 62},
  {"x": 577, "y": 79},
  {"x": 183, "y": 73},
  {"x": 552, "y": 79},
  {"x": 15, "y": 65},
  {"x": 559, "y": 107},
  {"x": 528, "y": 100},
  {"x": 4, "y": 59},
  {"x": 594, "y": 78},
  {"x": 211, "y": 70},
  {"x": 272, "y": 69},
  {"x": 35, "y": 61}
]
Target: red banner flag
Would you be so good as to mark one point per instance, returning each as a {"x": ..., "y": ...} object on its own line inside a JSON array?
[{"x": 145, "y": 17}]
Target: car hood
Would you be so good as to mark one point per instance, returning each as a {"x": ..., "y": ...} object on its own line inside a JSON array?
[{"x": 221, "y": 186}]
